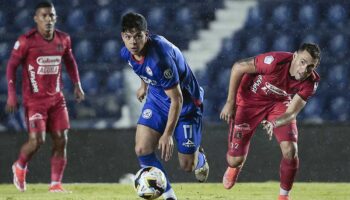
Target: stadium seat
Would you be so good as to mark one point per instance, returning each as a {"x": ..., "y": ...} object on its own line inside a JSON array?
[
  {"x": 3, "y": 21},
  {"x": 282, "y": 16},
  {"x": 3, "y": 85},
  {"x": 338, "y": 79},
  {"x": 5, "y": 51},
  {"x": 67, "y": 83},
  {"x": 110, "y": 51},
  {"x": 115, "y": 83},
  {"x": 308, "y": 15},
  {"x": 90, "y": 82},
  {"x": 84, "y": 51},
  {"x": 256, "y": 45},
  {"x": 313, "y": 112},
  {"x": 23, "y": 20},
  {"x": 156, "y": 19},
  {"x": 76, "y": 20},
  {"x": 339, "y": 109},
  {"x": 104, "y": 19},
  {"x": 283, "y": 42},
  {"x": 256, "y": 17},
  {"x": 338, "y": 45},
  {"x": 337, "y": 16}
]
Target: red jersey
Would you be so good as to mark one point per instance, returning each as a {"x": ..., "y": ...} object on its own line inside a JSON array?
[
  {"x": 42, "y": 64},
  {"x": 272, "y": 82}
]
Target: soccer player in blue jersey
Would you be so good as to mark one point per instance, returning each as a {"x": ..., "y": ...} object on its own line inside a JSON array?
[{"x": 174, "y": 103}]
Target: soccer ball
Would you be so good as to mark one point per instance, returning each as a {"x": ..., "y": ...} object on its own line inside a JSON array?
[{"x": 150, "y": 182}]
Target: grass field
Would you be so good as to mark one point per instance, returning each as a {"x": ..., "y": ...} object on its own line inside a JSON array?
[{"x": 185, "y": 191}]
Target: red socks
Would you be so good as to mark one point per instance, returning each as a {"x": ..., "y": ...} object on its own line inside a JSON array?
[
  {"x": 23, "y": 160},
  {"x": 58, "y": 164},
  {"x": 288, "y": 170}
]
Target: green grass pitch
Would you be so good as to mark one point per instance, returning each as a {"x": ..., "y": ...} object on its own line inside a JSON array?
[{"x": 184, "y": 191}]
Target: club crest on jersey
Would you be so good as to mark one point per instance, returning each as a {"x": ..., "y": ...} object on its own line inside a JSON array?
[
  {"x": 168, "y": 74},
  {"x": 268, "y": 59},
  {"x": 59, "y": 48},
  {"x": 147, "y": 113},
  {"x": 149, "y": 71},
  {"x": 17, "y": 44}
]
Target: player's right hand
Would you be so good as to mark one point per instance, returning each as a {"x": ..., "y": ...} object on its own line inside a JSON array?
[
  {"x": 141, "y": 93},
  {"x": 11, "y": 105},
  {"x": 228, "y": 111}
]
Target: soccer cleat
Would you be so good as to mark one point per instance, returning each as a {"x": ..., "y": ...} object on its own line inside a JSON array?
[
  {"x": 58, "y": 188},
  {"x": 230, "y": 177},
  {"x": 203, "y": 172},
  {"x": 283, "y": 197},
  {"x": 19, "y": 177}
]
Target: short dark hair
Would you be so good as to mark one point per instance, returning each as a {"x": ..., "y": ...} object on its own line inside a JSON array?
[
  {"x": 44, "y": 4},
  {"x": 132, "y": 20},
  {"x": 313, "y": 49}
]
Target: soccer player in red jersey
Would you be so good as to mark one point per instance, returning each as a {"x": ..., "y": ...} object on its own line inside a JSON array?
[
  {"x": 270, "y": 88},
  {"x": 40, "y": 52}
]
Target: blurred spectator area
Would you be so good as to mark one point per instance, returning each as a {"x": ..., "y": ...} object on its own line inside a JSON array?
[
  {"x": 94, "y": 27},
  {"x": 282, "y": 26}
]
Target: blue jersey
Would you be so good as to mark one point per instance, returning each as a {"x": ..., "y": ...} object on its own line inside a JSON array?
[{"x": 163, "y": 67}]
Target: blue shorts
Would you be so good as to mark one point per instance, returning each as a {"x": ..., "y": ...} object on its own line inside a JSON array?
[{"x": 188, "y": 131}]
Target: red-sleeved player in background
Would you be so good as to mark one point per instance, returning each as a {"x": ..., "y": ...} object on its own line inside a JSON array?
[
  {"x": 271, "y": 88},
  {"x": 40, "y": 52}
]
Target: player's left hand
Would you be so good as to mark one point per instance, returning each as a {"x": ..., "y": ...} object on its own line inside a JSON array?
[
  {"x": 166, "y": 146},
  {"x": 78, "y": 93},
  {"x": 268, "y": 126}
]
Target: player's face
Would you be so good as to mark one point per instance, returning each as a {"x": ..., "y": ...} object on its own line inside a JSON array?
[
  {"x": 45, "y": 18},
  {"x": 135, "y": 41},
  {"x": 303, "y": 64}
]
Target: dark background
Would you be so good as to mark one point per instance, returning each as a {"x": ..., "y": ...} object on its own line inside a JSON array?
[{"x": 105, "y": 155}]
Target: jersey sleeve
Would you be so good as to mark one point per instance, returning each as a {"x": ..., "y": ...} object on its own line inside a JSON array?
[
  {"x": 70, "y": 62},
  {"x": 18, "y": 53},
  {"x": 267, "y": 63},
  {"x": 308, "y": 90},
  {"x": 20, "y": 48},
  {"x": 169, "y": 75},
  {"x": 124, "y": 54}
]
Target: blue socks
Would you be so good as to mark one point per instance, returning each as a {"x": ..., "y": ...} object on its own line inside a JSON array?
[
  {"x": 201, "y": 160},
  {"x": 152, "y": 160}
]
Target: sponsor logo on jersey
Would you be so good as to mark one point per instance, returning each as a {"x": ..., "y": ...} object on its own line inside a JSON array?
[
  {"x": 36, "y": 116},
  {"x": 148, "y": 81},
  {"x": 149, "y": 71},
  {"x": 242, "y": 127},
  {"x": 256, "y": 84},
  {"x": 269, "y": 88},
  {"x": 32, "y": 79},
  {"x": 188, "y": 143},
  {"x": 147, "y": 113},
  {"x": 268, "y": 59},
  {"x": 49, "y": 60},
  {"x": 168, "y": 74},
  {"x": 48, "y": 70},
  {"x": 17, "y": 44}
]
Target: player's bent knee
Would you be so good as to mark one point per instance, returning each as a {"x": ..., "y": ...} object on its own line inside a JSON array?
[
  {"x": 142, "y": 150},
  {"x": 289, "y": 150}
]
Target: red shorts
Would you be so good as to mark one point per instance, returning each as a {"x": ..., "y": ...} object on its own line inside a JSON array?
[
  {"x": 247, "y": 120},
  {"x": 47, "y": 114}
]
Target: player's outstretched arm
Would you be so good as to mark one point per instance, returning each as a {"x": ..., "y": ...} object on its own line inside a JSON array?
[
  {"x": 295, "y": 106},
  {"x": 238, "y": 70}
]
